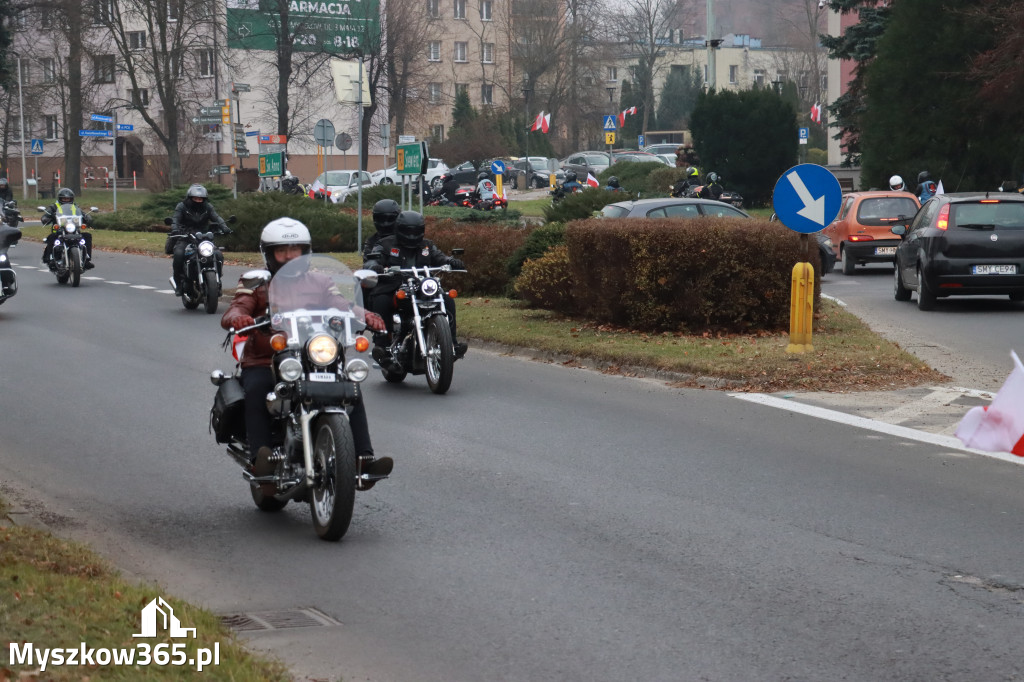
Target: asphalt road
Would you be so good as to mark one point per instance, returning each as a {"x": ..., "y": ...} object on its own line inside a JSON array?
[{"x": 543, "y": 522}]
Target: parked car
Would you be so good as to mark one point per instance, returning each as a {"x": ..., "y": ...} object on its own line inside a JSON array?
[
  {"x": 587, "y": 162},
  {"x": 669, "y": 159},
  {"x": 618, "y": 157},
  {"x": 861, "y": 232},
  {"x": 663, "y": 148},
  {"x": 389, "y": 176},
  {"x": 342, "y": 183},
  {"x": 963, "y": 244},
  {"x": 539, "y": 172},
  {"x": 692, "y": 208},
  {"x": 466, "y": 174}
]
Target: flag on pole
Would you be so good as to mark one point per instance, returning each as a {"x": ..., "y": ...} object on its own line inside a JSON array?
[
  {"x": 538, "y": 122},
  {"x": 939, "y": 189},
  {"x": 998, "y": 427},
  {"x": 624, "y": 113},
  {"x": 546, "y": 123},
  {"x": 816, "y": 112},
  {"x": 592, "y": 181}
]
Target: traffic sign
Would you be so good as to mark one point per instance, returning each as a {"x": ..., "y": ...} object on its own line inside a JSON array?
[
  {"x": 640, "y": 140},
  {"x": 411, "y": 159},
  {"x": 343, "y": 141},
  {"x": 225, "y": 114},
  {"x": 271, "y": 165},
  {"x": 94, "y": 133},
  {"x": 207, "y": 120},
  {"x": 37, "y": 146},
  {"x": 240, "y": 87},
  {"x": 102, "y": 118},
  {"x": 210, "y": 111},
  {"x": 610, "y": 123},
  {"x": 323, "y": 133},
  {"x": 804, "y": 134},
  {"x": 252, "y": 133},
  {"x": 242, "y": 154},
  {"x": 406, "y": 139},
  {"x": 273, "y": 139},
  {"x": 807, "y": 198},
  {"x": 609, "y": 138},
  {"x": 220, "y": 170},
  {"x": 497, "y": 167},
  {"x": 125, "y": 126},
  {"x": 213, "y": 137}
]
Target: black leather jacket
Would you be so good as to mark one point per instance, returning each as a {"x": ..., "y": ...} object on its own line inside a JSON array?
[
  {"x": 189, "y": 217},
  {"x": 388, "y": 252}
]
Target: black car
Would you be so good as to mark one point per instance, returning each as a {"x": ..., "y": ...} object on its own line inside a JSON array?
[
  {"x": 539, "y": 172},
  {"x": 964, "y": 244},
  {"x": 466, "y": 174}
]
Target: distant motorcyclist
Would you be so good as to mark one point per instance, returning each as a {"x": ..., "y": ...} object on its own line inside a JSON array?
[
  {"x": 406, "y": 248},
  {"x": 449, "y": 186},
  {"x": 896, "y": 184},
  {"x": 5, "y": 191},
  {"x": 613, "y": 185},
  {"x": 194, "y": 214},
  {"x": 712, "y": 189},
  {"x": 65, "y": 202},
  {"x": 291, "y": 185},
  {"x": 385, "y": 213},
  {"x": 485, "y": 190},
  {"x": 690, "y": 181},
  {"x": 925, "y": 186},
  {"x": 571, "y": 184}
]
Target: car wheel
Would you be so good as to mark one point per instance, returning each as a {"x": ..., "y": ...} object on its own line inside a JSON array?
[
  {"x": 899, "y": 292},
  {"x": 387, "y": 181},
  {"x": 925, "y": 296},
  {"x": 1017, "y": 296},
  {"x": 537, "y": 184},
  {"x": 849, "y": 263}
]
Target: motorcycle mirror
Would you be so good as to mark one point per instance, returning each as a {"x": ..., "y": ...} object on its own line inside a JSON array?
[
  {"x": 168, "y": 221},
  {"x": 458, "y": 251},
  {"x": 94, "y": 208},
  {"x": 40, "y": 209},
  {"x": 232, "y": 219}
]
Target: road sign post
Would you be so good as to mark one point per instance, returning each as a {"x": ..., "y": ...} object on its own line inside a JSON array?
[{"x": 271, "y": 165}]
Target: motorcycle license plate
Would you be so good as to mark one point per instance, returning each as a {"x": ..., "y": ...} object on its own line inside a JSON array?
[
  {"x": 322, "y": 376},
  {"x": 885, "y": 250},
  {"x": 993, "y": 269}
]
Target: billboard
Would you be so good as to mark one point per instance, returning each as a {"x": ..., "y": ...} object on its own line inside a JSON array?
[{"x": 336, "y": 26}]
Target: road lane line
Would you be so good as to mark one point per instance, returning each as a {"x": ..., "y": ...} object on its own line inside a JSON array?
[{"x": 949, "y": 442}]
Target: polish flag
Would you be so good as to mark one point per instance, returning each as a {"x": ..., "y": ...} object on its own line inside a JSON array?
[
  {"x": 816, "y": 113},
  {"x": 538, "y": 122},
  {"x": 592, "y": 181},
  {"x": 939, "y": 189},
  {"x": 238, "y": 346},
  {"x": 631, "y": 111},
  {"x": 622, "y": 119},
  {"x": 546, "y": 123},
  {"x": 998, "y": 427}
]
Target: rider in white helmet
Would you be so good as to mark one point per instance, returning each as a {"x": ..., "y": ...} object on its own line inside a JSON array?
[
  {"x": 282, "y": 240},
  {"x": 896, "y": 184}
]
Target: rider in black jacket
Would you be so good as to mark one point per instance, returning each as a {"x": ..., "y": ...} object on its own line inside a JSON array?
[
  {"x": 449, "y": 186},
  {"x": 5, "y": 190},
  {"x": 194, "y": 214},
  {"x": 406, "y": 248},
  {"x": 49, "y": 217}
]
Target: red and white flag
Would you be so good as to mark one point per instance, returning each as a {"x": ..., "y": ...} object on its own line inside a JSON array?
[
  {"x": 592, "y": 181},
  {"x": 816, "y": 113},
  {"x": 538, "y": 122},
  {"x": 546, "y": 123},
  {"x": 998, "y": 427}
]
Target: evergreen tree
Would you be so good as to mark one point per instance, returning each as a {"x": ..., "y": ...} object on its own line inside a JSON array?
[
  {"x": 463, "y": 113},
  {"x": 626, "y": 136},
  {"x": 8, "y": 70},
  {"x": 678, "y": 98}
]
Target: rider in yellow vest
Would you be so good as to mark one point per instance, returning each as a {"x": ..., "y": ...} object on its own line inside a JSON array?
[{"x": 65, "y": 203}]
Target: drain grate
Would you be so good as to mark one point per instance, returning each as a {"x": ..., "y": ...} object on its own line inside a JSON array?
[{"x": 278, "y": 620}]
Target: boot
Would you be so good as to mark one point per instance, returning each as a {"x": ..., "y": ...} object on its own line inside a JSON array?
[
  {"x": 460, "y": 349},
  {"x": 373, "y": 469}
]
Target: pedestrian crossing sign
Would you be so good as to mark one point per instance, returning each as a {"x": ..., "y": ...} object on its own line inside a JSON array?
[
  {"x": 37, "y": 146},
  {"x": 609, "y": 123}
]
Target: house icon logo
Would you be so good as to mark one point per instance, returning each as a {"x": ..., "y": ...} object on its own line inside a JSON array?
[{"x": 159, "y": 612}]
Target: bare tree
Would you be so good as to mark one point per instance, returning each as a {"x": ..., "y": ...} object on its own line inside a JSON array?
[
  {"x": 644, "y": 26},
  {"x": 404, "y": 59}
]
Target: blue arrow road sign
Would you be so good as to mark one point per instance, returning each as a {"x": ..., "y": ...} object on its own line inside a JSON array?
[
  {"x": 101, "y": 117},
  {"x": 37, "y": 146},
  {"x": 610, "y": 123},
  {"x": 125, "y": 126},
  {"x": 497, "y": 167},
  {"x": 807, "y": 198},
  {"x": 94, "y": 133}
]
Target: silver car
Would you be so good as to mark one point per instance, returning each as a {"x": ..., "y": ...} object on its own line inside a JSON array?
[
  {"x": 671, "y": 208},
  {"x": 587, "y": 162}
]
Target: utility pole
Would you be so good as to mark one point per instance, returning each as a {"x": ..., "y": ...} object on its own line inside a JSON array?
[{"x": 711, "y": 45}]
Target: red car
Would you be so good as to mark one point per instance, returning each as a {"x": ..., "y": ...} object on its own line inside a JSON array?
[{"x": 861, "y": 232}]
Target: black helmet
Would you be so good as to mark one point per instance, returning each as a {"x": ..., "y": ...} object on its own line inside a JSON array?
[
  {"x": 289, "y": 182},
  {"x": 483, "y": 175},
  {"x": 385, "y": 213},
  {"x": 570, "y": 176},
  {"x": 922, "y": 176},
  {"x": 446, "y": 177},
  {"x": 65, "y": 196},
  {"x": 712, "y": 178},
  {"x": 409, "y": 228},
  {"x": 613, "y": 181},
  {"x": 3, "y": 182}
]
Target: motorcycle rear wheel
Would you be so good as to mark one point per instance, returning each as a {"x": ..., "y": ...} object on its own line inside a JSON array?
[
  {"x": 333, "y": 494},
  {"x": 76, "y": 267},
  {"x": 211, "y": 291},
  {"x": 440, "y": 354}
]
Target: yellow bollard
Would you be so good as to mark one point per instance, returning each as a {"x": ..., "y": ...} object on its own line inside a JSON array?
[
  {"x": 801, "y": 309},
  {"x": 497, "y": 185}
]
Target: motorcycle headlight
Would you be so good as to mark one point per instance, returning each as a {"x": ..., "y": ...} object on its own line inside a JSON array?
[
  {"x": 70, "y": 227},
  {"x": 3, "y": 257},
  {"x": 205, "y": 249},
  {"x": 429, "y": 287},
  {"x": 322, "y": 349},
  {"x": 357, "y": 370},
  {"x": 290, "y": 369}
]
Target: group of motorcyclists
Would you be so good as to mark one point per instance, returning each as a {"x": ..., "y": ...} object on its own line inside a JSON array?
[{"x": 483, "y": 196}]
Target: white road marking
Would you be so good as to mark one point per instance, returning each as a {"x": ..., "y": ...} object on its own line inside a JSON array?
[
  {"x": 93, "y": 279},
  {"x": 949, "y": 442},
  {"x": 142, "y": 286},
  {"x": 116, "y": 282}
]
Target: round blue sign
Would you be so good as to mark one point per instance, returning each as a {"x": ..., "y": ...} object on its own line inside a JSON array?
[
  {"x": 497, "y": 167},
  {"x": 807, "y": 198}
]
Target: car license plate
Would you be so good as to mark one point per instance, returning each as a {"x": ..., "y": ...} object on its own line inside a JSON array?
[
  {"x": 993, "y": 269},
  {"x": 885, "y": 251},
  {"x": 322, "y": 376}
]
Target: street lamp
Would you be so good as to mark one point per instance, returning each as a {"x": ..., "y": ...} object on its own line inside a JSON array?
[
  {"x": 526, "y": 102},
  {"x": 611, "y": 107}
]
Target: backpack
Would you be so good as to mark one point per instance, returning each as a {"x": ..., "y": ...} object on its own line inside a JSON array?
[{"x": 927, "y": 190}]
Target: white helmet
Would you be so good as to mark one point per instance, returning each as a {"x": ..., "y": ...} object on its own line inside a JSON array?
[
  {"x": 896, "y": 184},
  {"x": 283, "y": 231}
]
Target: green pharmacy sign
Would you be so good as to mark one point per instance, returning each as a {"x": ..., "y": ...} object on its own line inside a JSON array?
[{"x": 336, "y": 26}]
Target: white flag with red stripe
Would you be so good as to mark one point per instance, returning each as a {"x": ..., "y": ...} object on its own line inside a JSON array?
[
  {"x": 538, "y": 122},
  {"x": 546, "y": 123},
  {"x": 592, "y": 181},
  {"x": 998, "y": 427}
]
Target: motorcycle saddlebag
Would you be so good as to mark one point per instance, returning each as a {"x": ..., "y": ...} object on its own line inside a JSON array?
[{"x": 227, "y": 418}]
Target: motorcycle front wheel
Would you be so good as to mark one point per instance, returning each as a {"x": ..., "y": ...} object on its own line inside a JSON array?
[
  {"x": 211, "y": 290},
  {"x": 334, "y": 476},
  {"x": 76, "y": 266},
  {"x": 440, "y": 354}
]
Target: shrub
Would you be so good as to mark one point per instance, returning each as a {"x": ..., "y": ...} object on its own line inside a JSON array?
[
  {"x": 487, "y": 249},
  {"x": 536, "y": 245},
  {"x": 159, "y": 206},
  {"x": 546, "y": 282},
  {"x": 580, "y": 205},
  {"x": 330, "y": 228},
  {"x": 128, "y": 220},
  {"x": 461, "y": 214},
  {"x": 632, "y": 175},
  {"x": 371, "y": 195},
  {"x": 660, "y": 181}
]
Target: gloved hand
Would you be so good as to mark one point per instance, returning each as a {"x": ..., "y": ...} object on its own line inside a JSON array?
[
  {"x": 456, "y": 264},
  {"x": 243, "y": 321},
  {"x": 225, "y": 230},
  {"x": 374, "y": 321},
  {"x": 376, "y": 267}
]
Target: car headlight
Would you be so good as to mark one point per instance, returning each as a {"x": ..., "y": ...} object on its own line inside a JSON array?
[
  {"x": 429, "y": 287},
  {"x": 357, "y": 370},
  {"x": 322, "y": 349},
  {"x": 205, "y": 249},
  {"x": 290, "y": 369}
]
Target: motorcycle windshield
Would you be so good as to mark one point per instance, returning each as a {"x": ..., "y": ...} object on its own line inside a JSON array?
[
  {"x": 69, "y": 215},
  {"x": 314, "y": 294}
]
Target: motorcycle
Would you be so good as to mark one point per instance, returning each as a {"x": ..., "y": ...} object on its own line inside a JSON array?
[
  {"x": 9, "y": 237},
  {"x": 68, "y": 255},
  {"x": 318, "y": 372},
  {"x": 422, "y": 336},
  {"x": 204, "y": 265},
  {"x": 12, "y": 216}
]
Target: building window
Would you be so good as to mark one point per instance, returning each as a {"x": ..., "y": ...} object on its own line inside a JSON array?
[
  {"x": 434, "y": 8},
  {"x": 613, "y": 73},
  {"x": 780, "y": 77},
  {"x": 759, "y": 77},
  {"x": 49, "y": 68},
  {"x": 487, "y": 53},
  {"x": 46, "y": 18},
  {"x": 25, "y": 73},
  {"x": 137, "y": 40},
  {"x": 460, "y": 9},
  {"x": 103, "y": 68},
  {"x": 437, "y": 132},
  {"x": 460, "y": 51},
  {"x": 587, "y": 81},
  {"x": 461, "y": 89},
  {"x": 485, "y": 10},
  {"x": 52, "y": 131},
  {"x": 632, "y": 74},
  {"x": 206, "y": 63},
  {"x": 486, "y": 94},
  {"x": 734, "y": 74},
  {"x": 140, "y": 97},
  {"x": 435, "y": 51},
  {"x": 824, "y": 83},
  {"x": 434, "y": 89},
  {"x": 28, "y": 130},
  {"x": 172, "y": 10},
  {"x": 102, "y": 12}
]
